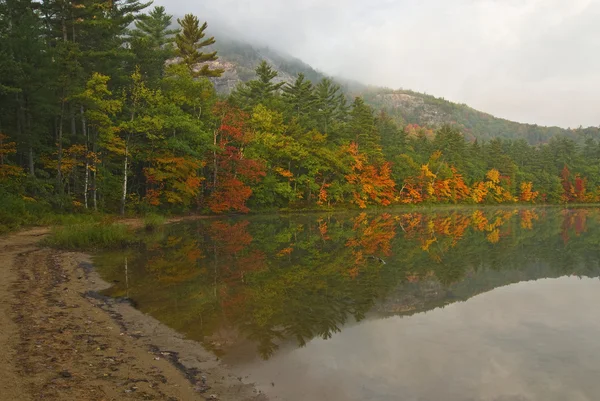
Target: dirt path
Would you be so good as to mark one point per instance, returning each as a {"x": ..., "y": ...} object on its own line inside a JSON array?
[{"x": 59, "y": 341}]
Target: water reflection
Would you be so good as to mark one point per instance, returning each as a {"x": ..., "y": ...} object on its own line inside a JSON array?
[
  {"x": 242, "y": 286},
  {"x": 518, "y": 343}
]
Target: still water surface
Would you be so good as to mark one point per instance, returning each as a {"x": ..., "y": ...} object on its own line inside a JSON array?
[{"x": 491, "y": 304}]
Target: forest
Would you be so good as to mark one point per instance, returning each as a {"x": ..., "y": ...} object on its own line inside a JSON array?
[{"x": 109, "y": 106}]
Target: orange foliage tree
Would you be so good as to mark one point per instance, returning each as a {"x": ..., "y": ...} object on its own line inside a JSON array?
[
  {"x": 172, "y": 179},
  {"x": 7, "y": 148},
  {"x": 371, "y": 184},
  {"x": 527, "y": 193},
  {"x": 232, "y": 171}
]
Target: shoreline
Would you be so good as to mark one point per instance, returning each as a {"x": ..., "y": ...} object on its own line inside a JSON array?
[{"x": 62, "y": 340}]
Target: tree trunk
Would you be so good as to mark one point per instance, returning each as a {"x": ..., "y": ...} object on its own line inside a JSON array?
[
  {"x": 31, "y": 164},
  {"x": 215, "y": 133},
  {"x": 86, "y": 179},
  {"x": 60, "y": 148},
  {"x": 124, "y": 195},
  {"x": 94, "y": 173},
  {"x": 73, "y": 123},
  {"x": 30, "y": 140}
]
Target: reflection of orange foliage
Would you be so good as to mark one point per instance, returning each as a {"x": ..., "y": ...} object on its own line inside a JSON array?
[
  {"x": 428, "y": 243},
  {"x": 373, "y": 236},
  {"x": 323, "y": 229},
  {"x": 576, "y": 219},
  {"x": 194, "y": 254},
  {"x": 447, "y": 230},
  {"x": 410, "y": 221},
  {"x": 253, "y": 261},
  {"x": 233, "y": 237},
  {"x": 479, "y": 220},
  {"x": 527, "y": 217},
  {"x": 494, "y": 236},
  {"x": 353, "y": 272},
  {"x": 412, "y": 277}
]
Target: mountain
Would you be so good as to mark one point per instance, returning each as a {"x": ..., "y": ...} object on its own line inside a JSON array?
[{"x": 239, "y": 59}]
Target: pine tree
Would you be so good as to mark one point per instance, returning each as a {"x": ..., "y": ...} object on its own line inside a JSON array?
[
  {"x": 363, "y": 132},
  {"x": 393, "y": 138},
  {"x": 300, "y": 101},
  {"x": 331, "y": 104},
  {"x": 152, "y": 43},
  {"x": 189, "y": 42},
  {"x": 261, "y": 90}
]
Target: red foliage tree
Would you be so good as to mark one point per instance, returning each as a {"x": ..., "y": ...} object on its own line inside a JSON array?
[{"x": 232, "y": 172}]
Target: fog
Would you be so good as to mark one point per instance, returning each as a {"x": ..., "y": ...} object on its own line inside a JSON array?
[{"x": 535, "y": 61}]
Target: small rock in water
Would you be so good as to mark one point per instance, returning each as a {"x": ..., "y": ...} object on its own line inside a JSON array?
[
  {"x": 66, "y": 374},
  {"x": 212, "y": 397}
]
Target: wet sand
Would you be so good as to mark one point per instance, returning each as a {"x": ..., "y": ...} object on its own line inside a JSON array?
[{"x": 60, "y": 340}]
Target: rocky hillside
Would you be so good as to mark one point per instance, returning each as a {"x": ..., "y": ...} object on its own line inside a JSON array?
[{"x": 239, "y": 59}]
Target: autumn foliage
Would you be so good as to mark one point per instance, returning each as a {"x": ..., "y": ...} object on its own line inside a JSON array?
[
  {"x": 233, "y": 172},
  {"x": 371, "y": 184}
]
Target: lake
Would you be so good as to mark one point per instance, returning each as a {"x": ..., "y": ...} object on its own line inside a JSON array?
[{"x": 468, "y": 304}]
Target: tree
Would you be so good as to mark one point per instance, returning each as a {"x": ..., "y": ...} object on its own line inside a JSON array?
[
  {"x": 189, "y": 43},
  {"x": 330, "y": 104},
  {"x": 371, "y": 184},
  {"x": 262, "y": 90},
  {"x": 363, "y": 131},
  {"x": 300, "y": 101},
  {"x": 152, "y": 42},
  {"x": 234, "y": 170},
  {"x": 100, "y": 109}
]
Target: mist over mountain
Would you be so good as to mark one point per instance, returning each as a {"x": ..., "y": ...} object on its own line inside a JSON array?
[
  {"x": 531, "y": 61},
  {"x": 239, "y": 59}
]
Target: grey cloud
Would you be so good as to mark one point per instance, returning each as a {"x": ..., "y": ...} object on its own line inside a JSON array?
[{"x": 533, "y": 61}]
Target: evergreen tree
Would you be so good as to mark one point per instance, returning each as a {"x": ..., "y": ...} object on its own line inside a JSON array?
[
  {"x": 189, "y": 43},
  {"x": 331, "y": 105},
  {"x": 261, "y": 90},
  {"x": 300, "y": 101},
  {"x": 362, "y": 130},
  {"x": 152, "y": 43}
]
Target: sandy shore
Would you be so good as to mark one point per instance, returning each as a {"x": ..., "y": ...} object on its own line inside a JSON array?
[{"x": 61, "y": 341}]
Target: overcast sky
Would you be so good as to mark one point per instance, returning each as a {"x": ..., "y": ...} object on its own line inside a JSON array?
[{"x": 535, "y": 61}]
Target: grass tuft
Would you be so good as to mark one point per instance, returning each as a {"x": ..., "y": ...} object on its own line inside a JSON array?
[
  {"x": 153, "y": 221},
  {"x": 88, "y": 236}
]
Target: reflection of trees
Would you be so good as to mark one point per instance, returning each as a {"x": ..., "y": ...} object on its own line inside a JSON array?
[{"x": 271, "y": 279}]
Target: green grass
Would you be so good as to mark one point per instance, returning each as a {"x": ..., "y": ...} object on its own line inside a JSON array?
[
  {"x": 153, "y": 221},
  {"x": 89, "y": 236}
]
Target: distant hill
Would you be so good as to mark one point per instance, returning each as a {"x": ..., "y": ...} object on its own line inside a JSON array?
[{"x": 239, "y": 60}]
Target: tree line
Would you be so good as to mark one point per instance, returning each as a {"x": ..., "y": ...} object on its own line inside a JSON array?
[{"x": 107, "y": 106}]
